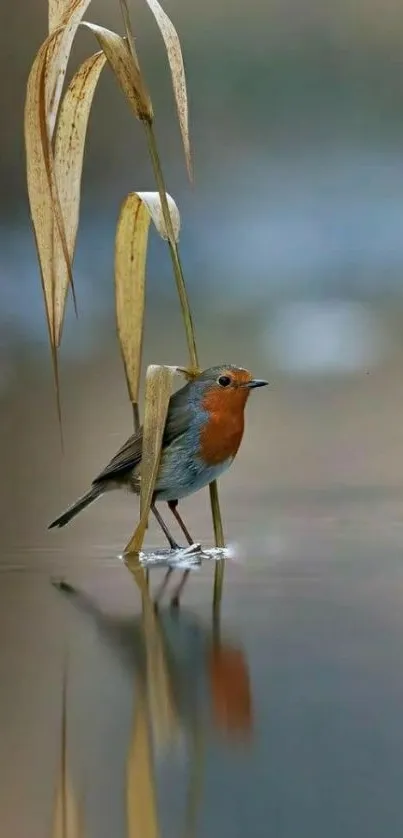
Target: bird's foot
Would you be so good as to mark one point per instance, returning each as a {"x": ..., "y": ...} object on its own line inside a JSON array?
[
  {"x": 62, "y": 585},
  {"x": 190, "y": 549},
  {"x": 175, "y": 603}
]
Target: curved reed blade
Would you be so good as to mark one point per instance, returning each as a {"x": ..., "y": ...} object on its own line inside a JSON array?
[
  {"x": 157, "y": 395},
  {"x": 152, "y": 201},
  {"x": 46, "y": 214},
  {"x": 56, "y": 11},
  {"x": 66, "y": 14},
  {"x": 137, "y": 210},
  {"x": 43, "y": 93},
  {"x": 175, "y": 59},
  {"x": 70, "y": 138},
  {"x": 130, "y": 260},
  {"x": 125, "y": 69}
]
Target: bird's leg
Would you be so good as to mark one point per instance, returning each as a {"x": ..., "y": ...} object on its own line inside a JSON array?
[
  {"x": 177, "y": 592},
  {"x": 171, "y": 541},
  {"x": 162, "y": 587},
  {"x": 173, "y": 505},
  {"x": 173, "y": 545}
]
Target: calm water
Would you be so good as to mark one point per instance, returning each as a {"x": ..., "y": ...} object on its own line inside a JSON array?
[
  {"x": 287, "y": 722},
  {"x": 283, "y": 720}
]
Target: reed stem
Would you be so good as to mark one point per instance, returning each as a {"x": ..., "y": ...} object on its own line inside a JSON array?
[
  {"x": 172, "y": 244},
  {"x": 183, "y": 297}
]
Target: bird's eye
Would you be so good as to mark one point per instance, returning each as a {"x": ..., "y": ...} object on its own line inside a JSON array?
[{"x": 224, "y": 380}]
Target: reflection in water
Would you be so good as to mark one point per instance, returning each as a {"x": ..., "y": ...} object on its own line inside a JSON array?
[
  {"x": 68, "y": 817},
  {"x": 189, "y": 681}
]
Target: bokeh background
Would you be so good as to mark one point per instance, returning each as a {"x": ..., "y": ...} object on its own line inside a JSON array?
[
  {"x": 291, "y": 240},
  {"x": 292, "y": 247}
]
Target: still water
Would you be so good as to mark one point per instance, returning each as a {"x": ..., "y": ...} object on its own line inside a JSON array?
[{"x": 284, "y": 719}]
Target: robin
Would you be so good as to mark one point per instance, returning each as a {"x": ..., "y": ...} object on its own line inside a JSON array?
[{"x": 203, "y": 432}]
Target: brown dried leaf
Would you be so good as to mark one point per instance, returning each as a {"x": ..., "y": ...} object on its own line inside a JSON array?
[
  {"x": 157, "y": 395},
  {"x": 66, "y": 14},
  {"x": 137, "y": 210},
  {"x": 174, "y": 53},
  {"x": 44, "y": 201},
  {"x": 127, "y": 73},
  {"x": 130, "y": 260},
  {"x": 57, "y": 10},
  {"x": 68, "y": 163}
]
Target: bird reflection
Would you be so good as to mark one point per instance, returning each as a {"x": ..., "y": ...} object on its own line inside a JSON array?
[{"x": 189, "y": 681}]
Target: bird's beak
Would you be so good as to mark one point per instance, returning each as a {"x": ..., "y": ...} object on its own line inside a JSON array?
[{"x": 256, "y": 382}]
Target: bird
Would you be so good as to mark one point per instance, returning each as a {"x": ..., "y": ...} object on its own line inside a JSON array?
[{"x": 203, "y": 432}]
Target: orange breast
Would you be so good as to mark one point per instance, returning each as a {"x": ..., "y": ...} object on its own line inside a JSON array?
[{"x": 221, "y": 436}]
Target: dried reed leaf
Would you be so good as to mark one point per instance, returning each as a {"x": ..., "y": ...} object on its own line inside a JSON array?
[
  {"x": 152, "y": 201},
  {"x": 157, "y": 395},
  {"x": 130, "y": 260},
  {"x": 140, "y": 785},
  {"x": 137, "y": 210},
  {"x": 68, "y": 164},
  {"x": 66, "y": 14},
  {"x": 44, "y": 201},
  {"x": 174, "y": 53},
  {"x": 56, "y": 11},
  {"x": 126, "y": 71},
  {"x": 41, "y": 105}
]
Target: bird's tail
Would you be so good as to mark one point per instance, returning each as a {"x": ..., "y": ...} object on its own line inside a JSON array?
[{"x": 76, "y": 507}]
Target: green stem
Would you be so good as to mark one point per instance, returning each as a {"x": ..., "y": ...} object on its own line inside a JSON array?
[
  {"x": 173, "y": 247},
  {"x": 220, "y": 542}
]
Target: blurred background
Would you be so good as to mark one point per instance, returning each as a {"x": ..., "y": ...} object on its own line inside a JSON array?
[
  {"x": 292, "y": 249},
  {"x": 291, "y": 241}
]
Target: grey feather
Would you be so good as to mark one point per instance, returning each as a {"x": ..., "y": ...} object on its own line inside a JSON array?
[
  {"x": 76, "y": 507},
  {"x": 129, "y": 455}
]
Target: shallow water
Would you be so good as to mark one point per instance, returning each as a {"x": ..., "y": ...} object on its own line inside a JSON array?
[
  {"x": 287, "y": 723},
  {"x": 285, "y": 718}
]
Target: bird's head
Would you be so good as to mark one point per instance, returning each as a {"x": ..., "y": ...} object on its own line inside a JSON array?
[{"x": 224, "y": 387}]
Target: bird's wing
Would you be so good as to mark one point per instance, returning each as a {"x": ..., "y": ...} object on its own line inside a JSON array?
[
  {"x": 179, "y": 417},
  {"x": 128, "y": 456}
]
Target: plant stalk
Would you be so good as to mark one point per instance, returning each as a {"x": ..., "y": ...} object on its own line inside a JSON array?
[
  {"x": 173, "y": 247},
  {"x": 220, "y": 542},
  {"x": 191, "y": 342},
  {"x": 183, "y": 297}
]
